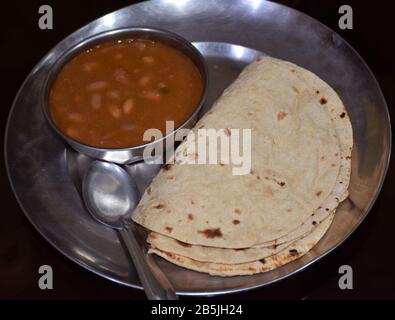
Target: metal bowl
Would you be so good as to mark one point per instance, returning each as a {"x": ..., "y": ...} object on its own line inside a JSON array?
[{"x": 134, "y": 153}]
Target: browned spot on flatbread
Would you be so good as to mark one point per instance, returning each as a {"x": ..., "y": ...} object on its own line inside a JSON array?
[
  {"x": 322, "y": 157},
  {"x": 323, "y": 100},
  {"x": 238, "y": 211},
  {"x": 295, "y": 89},
  {"x": 192, "y": 202},
  {"x": 293, "y": 252},
  {"x": 314, "y": 223},
  {"x": 169, "y": 254},
  {"x": 190, "y": 216},
  {"x": 167, "y": 167},
  {"x": 281, "y": 183},
  {"x": 149, "y": 190},
  {"x": 333, "y": 165},
  {"x": 318, "y": 193},
  {"x": 159, "y": 206},
  {"x": 289, "y": 210},
  {"x": 168, "y": 229},
  {"x": 263, "y": 261},
  {"x": 152, "y": 236},
  {"x": 281, "y": 115},
  {"x": 211, "y": 233},
  {"x": 317, "y": 92},
  {"x": 342, "y": 115},
  {"x": 184, "y": 244},
  {"x": 236, "y": 221}
]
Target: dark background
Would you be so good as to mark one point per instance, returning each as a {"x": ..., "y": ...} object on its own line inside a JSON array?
[{"x": 370, "y": 250}]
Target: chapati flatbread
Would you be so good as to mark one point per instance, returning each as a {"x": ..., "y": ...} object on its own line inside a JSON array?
[
  {"x": 296, "y": 250},
  {"x": 296, "y": 161}
]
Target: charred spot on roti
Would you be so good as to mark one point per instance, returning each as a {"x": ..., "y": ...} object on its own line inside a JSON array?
[
  {"x": 159, "y": 206},
  {"x": 314, "y": 223},
  {"x": 348, "y": 158},
  {"x": 295, "y": 89},
  {"x": 263, "y": 261},
  {"x": 252, "y": 172},
  {"x": 293, "y": 252},
  {"x": 149, "y": 190},
  {"x": 192, "y": 202},
  {"x": 238, "y": 211},
  {"x": 322, "y": 158},
  {"x": 184, "y": 244},
  {"x": 333, "y": 165},
  {"x": 326, "y": 209},
  {"x": 211, "y": 233},
  {"x": 152, "y": 236},
  {"x": 258, "y": 177},
  {"x": 342, "y": 115},
  {"x": 281, "y": 183},
  {"x": 281, "y": 115},
  {"x": 168, "y": 229},
  {"x": 236, "y": 221},
  {"x": 318, "y": 193},
  {"x": 190, "y": 216},
  {"x": 250, "y": 113},
  {"x": 292, "y": 70},
  {"x": 317, "y": 92},
  {"x": 323, "y": 100},
  {"x": 167, "y": 167},
  {"x": 289, "y": 210}
]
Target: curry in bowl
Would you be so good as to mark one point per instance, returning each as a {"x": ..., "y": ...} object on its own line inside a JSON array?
[{"x": 110, "y": 94}]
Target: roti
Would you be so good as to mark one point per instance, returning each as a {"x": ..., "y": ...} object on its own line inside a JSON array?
[
  {"x": 296, "y": 250},
  {"x": 301, "y": 146}
]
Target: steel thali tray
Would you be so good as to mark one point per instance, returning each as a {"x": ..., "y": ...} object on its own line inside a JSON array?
[{"x": 229, "y": 34}]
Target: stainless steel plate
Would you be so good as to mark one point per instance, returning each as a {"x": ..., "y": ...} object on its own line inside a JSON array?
[{"x": 45, "y": 174}]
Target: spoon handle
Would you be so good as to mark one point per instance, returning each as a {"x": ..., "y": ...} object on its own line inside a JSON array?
[{"x": 154, "y": 281}]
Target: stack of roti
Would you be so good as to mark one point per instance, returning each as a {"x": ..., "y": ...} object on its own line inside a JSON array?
[{"x": 205, "y": 218}]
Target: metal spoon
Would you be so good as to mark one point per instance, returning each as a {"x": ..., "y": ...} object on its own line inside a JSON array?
[{"x": 110, "y": 196}]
